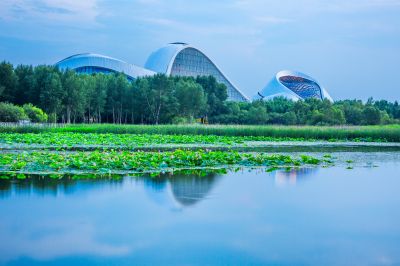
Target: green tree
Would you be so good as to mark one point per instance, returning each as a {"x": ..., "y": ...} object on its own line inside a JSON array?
[
  {"x": 216, "y": 95},
  {"x": 160, "y": 99},
  {"x": 51, "y": 95},
  {"x": 97, "y": 95},
  {"x": 371, "y": 115},
  {"x": 117, "y": 92},
  {"x": 74, "y": 100},
  {"x": 8, "y": 82},
  {"x": 191, "y": 98},
  {"x": 257, "y": 115},
  {"x": 26, "y": 80}
]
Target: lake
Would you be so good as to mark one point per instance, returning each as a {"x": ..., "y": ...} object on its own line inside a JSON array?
[{"x": 347, "y": 214}]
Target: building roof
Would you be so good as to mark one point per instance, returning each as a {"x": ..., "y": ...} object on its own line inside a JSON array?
[
  {"x": 275, "y": 88},
  {"x": 162, "y": 60},
  {"x": 102, "y": 61}
]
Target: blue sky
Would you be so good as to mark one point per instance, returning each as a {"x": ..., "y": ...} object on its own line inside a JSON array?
[{"x": 351, "y": 47}]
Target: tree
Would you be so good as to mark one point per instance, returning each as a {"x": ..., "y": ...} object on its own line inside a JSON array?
[
  {"x": 371, "y": 115},
  {"x": 257, "y": 115},
  {"x": 140, "y": 90},
  {"x": 51, "y": 95},
  {"x": 74, "y": 100},
  {"x": 117, "y": 91},
  {"x": 8, "y": 82},
  {"x": 96, "y": 87},
  {"x": 216, "y": 95},
  {"x": 191, "y": 98},
  {"x": 160, "y": 99},
  {"x": 26, "y": 79}
]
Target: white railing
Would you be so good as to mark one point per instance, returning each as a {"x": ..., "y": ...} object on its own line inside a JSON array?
[{"x": 25, "y": 124}]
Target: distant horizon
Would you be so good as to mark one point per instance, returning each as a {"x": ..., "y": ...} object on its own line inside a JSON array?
[{"x": 347, "y": 46}]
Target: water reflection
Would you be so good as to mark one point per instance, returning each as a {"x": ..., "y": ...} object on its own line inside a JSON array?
[
  {"x": 249, "y": 221},
  {"x": 45, "y": 186},
  {"x": 187, "y": 190},
  {"x": 292, "y": 176}
]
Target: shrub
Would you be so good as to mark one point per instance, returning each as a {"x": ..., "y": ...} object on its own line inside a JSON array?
[
  {"x": 11, "y": 113},
  {"x": 34, "y": 113}
]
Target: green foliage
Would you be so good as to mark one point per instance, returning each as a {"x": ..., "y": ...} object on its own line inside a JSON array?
[
  {"x": 216, "y": 95},
  {"x": 137, "y": 162},
  {"x": 371, "y": 115},
  {"x": 8, "y": 82},
  {"x": 113, "y": 98},
  {"x": 51, "y": 95},
  {"x": 11, "y": 113},
  {"x": 35, "y": 114},
  {"x": 389, "y": 133},
  {"x": 74, "y": 99},
  {"x": 310, "y": 112},
  {"x": 192, "y": 99}
]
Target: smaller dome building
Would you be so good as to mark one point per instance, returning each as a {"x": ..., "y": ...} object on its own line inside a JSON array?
[{"x": 294, "y": 86}]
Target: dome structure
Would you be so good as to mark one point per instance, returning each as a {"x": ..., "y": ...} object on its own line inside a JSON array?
[
  {"x": 182, "y": 59},
  {"x": 94, "y": 63},
  {"x": 294, "y": 86}
]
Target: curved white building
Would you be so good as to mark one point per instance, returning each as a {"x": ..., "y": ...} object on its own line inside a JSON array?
[
  {"x": 182, "y": 59},
  {"x": 293, "y": 85},
  {"x": 94, "y": 63}
]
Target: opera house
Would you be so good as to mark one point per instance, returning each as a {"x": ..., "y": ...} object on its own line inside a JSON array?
[{"x": 182, "y": 59}]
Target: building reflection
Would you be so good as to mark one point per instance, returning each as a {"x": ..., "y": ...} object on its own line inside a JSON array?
[
  {"x": 189, "y": 190},
  {"x": 182, "y": 188},
  {"x": 292, "y": 176}
]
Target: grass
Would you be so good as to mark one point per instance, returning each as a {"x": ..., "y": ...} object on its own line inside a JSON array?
[
  {"x": 18, "y": 165},
  {"x": 389, "y": 133}
]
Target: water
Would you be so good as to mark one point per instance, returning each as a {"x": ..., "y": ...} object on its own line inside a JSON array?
[{"x": 314, "y": 216}]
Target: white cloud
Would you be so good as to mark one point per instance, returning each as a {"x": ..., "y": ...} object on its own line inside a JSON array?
[
  {"x": 61, "y": 238},
  {"x": 55, "y": 11},
  {"x": 305, "y": 7}
]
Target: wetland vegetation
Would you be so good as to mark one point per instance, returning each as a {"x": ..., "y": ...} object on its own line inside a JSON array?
[
  {"x": 382, "y": 133},
  {"x": 124, "y": 162}
]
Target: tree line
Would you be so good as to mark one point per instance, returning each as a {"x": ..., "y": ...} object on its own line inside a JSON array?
[
  {"x": 311, "y": 112},
  {"x": 68, "y": 97},
  {"x": 110, "y": 98}
]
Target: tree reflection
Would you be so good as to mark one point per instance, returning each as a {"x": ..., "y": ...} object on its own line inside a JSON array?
[{"x": 46, "y": 186}]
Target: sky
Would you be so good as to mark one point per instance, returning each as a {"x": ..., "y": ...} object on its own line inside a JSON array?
[{"x": 352, "y": 47}]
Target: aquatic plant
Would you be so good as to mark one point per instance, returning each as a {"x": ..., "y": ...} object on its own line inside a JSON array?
[{"x": 108, "y": 162}]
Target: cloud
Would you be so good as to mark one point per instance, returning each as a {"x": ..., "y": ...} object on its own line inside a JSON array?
[
  {"x": 272, "y": 20},
  {"x": 160, "y": 21},
  {"x": 53, "y": 240},
  {"x": 54, "y": 11},
  {"x": 306, "y": 7}
]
